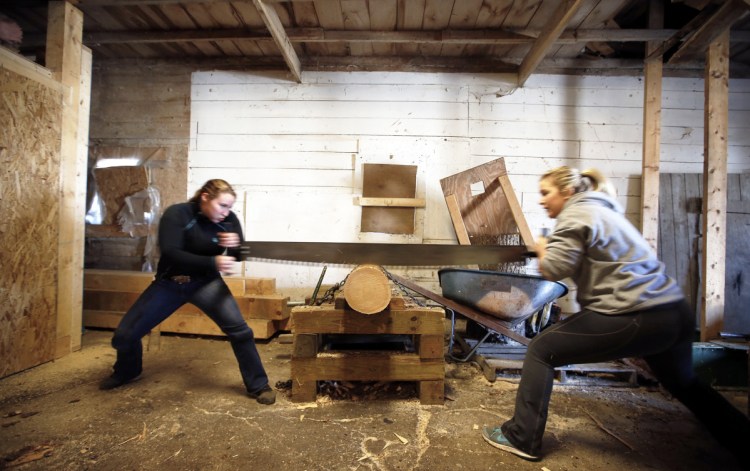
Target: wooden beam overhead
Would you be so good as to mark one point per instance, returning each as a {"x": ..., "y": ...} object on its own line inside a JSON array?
[
  {"x": 697, "y": 44},
  {"x": 118, "y": 3},
  {"x": 320, "y": 35},
  {"x": 131, "y": 3},
  {"x": 682, "y": 33},
  {"x": 407, "y": 64},
  {"x": 555, "y": 27},
  {"x": 273, "y": 23}
]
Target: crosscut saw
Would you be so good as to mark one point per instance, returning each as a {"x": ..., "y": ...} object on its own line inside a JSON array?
[{"x": 354, "y": 253}]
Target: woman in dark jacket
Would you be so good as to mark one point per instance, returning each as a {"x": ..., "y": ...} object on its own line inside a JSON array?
[
  {"x": 629, "y": 307},
  {"x": 198, "y": 240}
]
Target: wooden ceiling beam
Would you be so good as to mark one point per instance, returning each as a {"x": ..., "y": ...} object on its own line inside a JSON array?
[
  {"x": 697, "y": 44},
  {"x": 273, "y": 23},
  {"x": 319, "y": 35},
  {"x": 682, "y": 33},
  {"x": 83, "y": 4},
  {"x": 551, "y": 32},
  {"x": 121, "y": 3}
]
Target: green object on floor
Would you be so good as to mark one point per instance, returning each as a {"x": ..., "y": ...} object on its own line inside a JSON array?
[{"x": 721, "y": 363}]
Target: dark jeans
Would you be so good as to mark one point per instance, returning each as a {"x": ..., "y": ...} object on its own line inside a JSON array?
[
  {"x": 661, "y": 335},
  {"x": 161, "y": 299}
]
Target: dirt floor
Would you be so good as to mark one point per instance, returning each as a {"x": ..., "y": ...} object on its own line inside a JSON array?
[{"x": 189, "y": 412}]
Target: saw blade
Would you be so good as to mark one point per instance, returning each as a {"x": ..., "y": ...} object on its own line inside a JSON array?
[{"x": 353, "y": 253}]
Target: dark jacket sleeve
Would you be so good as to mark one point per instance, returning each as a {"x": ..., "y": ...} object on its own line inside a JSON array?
[
  {"x": 172, "y": 241},
  {"x": 235, "y": 226}
]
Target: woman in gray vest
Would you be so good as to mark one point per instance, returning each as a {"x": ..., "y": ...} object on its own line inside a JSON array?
[{"x": 629, "y": 308}]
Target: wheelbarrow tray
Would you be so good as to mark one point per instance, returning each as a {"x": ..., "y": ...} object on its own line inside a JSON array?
[{"x": 510, "y": 297}]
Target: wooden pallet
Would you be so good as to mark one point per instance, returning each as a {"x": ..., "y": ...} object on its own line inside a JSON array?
[
  {"x": 500, "y": 360},
  {"x": 108, "y": 294},
  {"x": 311, "y": 363}
]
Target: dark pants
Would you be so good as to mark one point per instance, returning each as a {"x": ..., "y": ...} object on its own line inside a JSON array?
[
  {"x": 661, "y": 335},
  {"x": 161, "y": 299}
]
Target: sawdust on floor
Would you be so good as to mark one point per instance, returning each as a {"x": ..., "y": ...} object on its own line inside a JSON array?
[{"x": 189, "y": 411}]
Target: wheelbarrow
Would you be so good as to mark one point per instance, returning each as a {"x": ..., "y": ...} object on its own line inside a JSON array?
[
  {"x": 497, "y": 301},
  {"x": 509, "y": 297}
]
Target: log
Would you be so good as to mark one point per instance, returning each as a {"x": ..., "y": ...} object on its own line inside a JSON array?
[{"x": 367, "y": 289}]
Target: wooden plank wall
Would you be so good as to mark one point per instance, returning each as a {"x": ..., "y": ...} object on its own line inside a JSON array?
[
  {"x": 31, "y": 113},
  {"x": 297, "y": 150},
  {"x": 680, "y": 242},
  {"x": 138, "y": 109},
  {"x": 137, "y": 104}
]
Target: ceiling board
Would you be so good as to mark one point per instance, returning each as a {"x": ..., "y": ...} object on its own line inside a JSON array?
[{"x": 606, "y": 36}]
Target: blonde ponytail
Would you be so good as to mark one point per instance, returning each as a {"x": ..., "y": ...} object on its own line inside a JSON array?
[{"x": 591, "y": 179}]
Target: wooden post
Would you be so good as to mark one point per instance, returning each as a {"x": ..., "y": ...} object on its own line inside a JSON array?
[
  {"x": 651, "y": 133},
  {"x": 367, "y": 289},
  {"x": 64, "y": 59},
  {"x": 716, "y": 111}
]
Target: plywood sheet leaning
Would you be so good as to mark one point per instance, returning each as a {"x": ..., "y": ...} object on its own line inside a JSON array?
[
  {"x": 484, "y": 208},
  {"x": 31, "y": 114},
  {"x": 116, "y": 183},
  {"x": 388, "y": 181}
]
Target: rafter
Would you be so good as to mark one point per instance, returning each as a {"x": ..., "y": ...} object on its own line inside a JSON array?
[
  {"x": 554, "y": 29},
  {"x": 319, "y": 35},
  {"x": 119, "y": 3},
  {"x": 273, "y": 23},
  {"x": 682, "y": 33},
  {"x": 697, "y": 44}
]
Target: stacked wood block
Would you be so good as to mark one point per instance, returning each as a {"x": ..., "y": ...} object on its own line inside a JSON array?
[
  {"x": 108, "y": 294},
  {"x": 310, "y": 364}
]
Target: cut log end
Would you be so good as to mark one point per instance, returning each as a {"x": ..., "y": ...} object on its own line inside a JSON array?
[{"x": 367, "y": 289}]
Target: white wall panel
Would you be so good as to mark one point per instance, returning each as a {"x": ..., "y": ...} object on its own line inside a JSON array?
[
  {"x": 326, "y": 92},
  {"x": 329, "y": 109},
  {"x": 296, "y": 151}
]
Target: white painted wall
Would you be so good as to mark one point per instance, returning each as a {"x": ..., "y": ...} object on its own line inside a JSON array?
[{"x": 295, "y": 152}]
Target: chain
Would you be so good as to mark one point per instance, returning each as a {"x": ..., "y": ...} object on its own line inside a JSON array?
[
  {"x": 330, "y": 292},
  {"x": 407, "y": 292}
]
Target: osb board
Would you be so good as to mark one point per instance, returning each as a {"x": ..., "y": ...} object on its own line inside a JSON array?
[
  {"x": 114, "y": 184},
  {"x": 29, "y": 220},
  {"x": 487, "y": 215},
  {"x": 388, "y": 181}
]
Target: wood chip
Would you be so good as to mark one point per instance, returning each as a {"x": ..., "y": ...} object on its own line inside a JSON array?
[
  {"x": 30, "y": 454},
  {"x": 601, "y": 426},
  {"x": 403, "y": 440}
]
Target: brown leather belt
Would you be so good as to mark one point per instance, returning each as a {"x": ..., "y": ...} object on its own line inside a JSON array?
[{"x": 180, "y": 279}]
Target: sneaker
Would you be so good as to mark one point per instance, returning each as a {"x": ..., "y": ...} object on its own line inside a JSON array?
[
  {"x": 115, "y": 381},
  {"x": 494, "y": 436},
  {"x": 265, "y": 395}
]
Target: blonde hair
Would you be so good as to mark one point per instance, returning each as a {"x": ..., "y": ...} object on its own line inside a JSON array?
[
  {"x": 578, "y": 181},
  {"x": 213, "y": 188}
]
